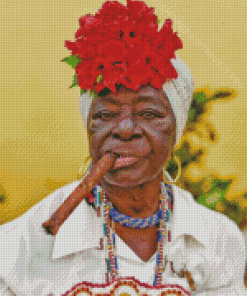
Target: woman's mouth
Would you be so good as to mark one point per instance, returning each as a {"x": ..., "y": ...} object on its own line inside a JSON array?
[{"x": 125, "y": 162}]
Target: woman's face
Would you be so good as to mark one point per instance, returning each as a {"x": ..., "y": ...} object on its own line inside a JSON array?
[{"x": 133, "y": 124}]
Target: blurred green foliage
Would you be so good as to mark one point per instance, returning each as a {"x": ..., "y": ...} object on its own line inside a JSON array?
[{"x": 216, "y": 192}]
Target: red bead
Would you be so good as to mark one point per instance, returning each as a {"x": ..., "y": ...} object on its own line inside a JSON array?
[
  {"x": 101, "y": 244},
  {"x": 107, "y": 277},
  {"x": 169, "y": 235},
  {"x": 90, "y": 198}
]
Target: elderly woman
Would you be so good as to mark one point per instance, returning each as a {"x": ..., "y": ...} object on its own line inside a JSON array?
[{"x": 140, "y": 231}]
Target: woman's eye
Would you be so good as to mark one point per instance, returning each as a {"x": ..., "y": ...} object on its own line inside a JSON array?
[
  {"x": 104, "y": 115},
  {"x": 148, "y": 115}
]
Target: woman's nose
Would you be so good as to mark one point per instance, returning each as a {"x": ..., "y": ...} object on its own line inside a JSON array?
[{"x": 126, "y": 128}]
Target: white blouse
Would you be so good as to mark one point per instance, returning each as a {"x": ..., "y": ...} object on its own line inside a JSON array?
[{"x": 35, "y": 263}]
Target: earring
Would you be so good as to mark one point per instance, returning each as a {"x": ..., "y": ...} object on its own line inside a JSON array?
[{"x": 179, "y": 167}]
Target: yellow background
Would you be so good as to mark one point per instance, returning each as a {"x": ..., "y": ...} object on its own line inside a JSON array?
[{"x": 42, "y": 138}]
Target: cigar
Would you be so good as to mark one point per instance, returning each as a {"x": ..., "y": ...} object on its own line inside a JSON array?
[{"x": 81, "y": 192}]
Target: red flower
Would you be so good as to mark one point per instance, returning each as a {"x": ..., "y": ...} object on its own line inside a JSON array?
[
  {"x": 156, "y": 80},
  {"x": 71, "y": 46},
  {"x": 111, "y": 10},
  {"x": 140, "y": 52},
  {"x": 113, "y": 50},
  {"x": 86, "y": 49},
  {"x": 177, "y": 42},
  {"x": 123, "y": 44},
  {"x": 139, "y": 74},
  {"x": 138, "y": 9},
  {"x": 85, "y": 78},
  {"x": 100, "y": 86},
  {"x": 169, "y": 71},
  {"x": 88, "y": 25}
]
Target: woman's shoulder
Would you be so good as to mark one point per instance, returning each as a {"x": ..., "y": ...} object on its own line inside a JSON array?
[
  {"x": 26, "y": 231},
  {"x": 215, "y": 221},
  {"x": 30, "y": 223}
]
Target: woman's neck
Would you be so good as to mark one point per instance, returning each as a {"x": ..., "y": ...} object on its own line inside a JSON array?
[{"x": 138, "y": 202}]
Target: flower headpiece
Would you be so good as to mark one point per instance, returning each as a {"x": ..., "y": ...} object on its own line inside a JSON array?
[{"x": 122, "y": 45}]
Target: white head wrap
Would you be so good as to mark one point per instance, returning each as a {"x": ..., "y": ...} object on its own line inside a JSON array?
[{"x": 179, "y": 92}]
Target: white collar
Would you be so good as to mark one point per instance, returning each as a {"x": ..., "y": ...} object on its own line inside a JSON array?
[{"x": 83, "y": 230}]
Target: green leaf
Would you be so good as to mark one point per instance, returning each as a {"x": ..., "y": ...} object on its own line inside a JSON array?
[
  {"x": 75, "y": 82},
  {"x": 222, "y": 184},
  {"x": 93, "y": 93},
  {"x": 215, "y": 194},
  {"x": 192, "y": 114},
  {"x": 234, "y": 212},
  {"x": 99, "y": 78},
  {"x": 73, "y": 61},
  {"x": 82, "y": 91},
  {"x": 200, "y": 98},
  {"x": 202, "y": 200},
  {"x": 222, "y": 94},
  {"x": 2, "y": 197}
]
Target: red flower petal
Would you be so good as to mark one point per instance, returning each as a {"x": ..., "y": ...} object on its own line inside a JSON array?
[
  {"x": 139, "y": 74},
  {"x": 169, "y": 71},
  {"x": 100, "y": 86},
  {"x": 111, "y": 10},
  {"x": 83, "y": 67},
  {"x": 156, "y": 80},
  {"x": 79, "y": 33},
  {"x": 113, "y": 50},
  {"x": 86, "y": 81},
  {"x": 88, "y": 21},
  {"x": 71, "y": 46},
  {"x": 85, "y": 50},
  {"x": 136, "y": 8},
  {"x": 111, "y": 85},
  {"x": 177, "y": 42}
]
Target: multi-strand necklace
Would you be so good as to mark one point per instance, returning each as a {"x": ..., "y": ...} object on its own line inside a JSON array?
[{"x": 110, "y": 215}]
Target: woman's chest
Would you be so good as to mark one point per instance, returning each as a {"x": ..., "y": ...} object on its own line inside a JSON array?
[{"x": 142, "y": 242}]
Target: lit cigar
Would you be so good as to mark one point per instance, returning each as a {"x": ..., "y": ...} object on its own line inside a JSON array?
[{"x": 82, "y": 190}]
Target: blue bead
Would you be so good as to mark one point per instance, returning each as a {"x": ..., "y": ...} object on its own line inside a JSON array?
[
  {"x": 105, "y": 229},
  {"x": 167, "y": 216},
  {"x": 155, "y": 280},
  {"x": 169, "y": 193},
  {"x": 160, "y": 214},
  {"x": 159, "y": 235},
  {"x": 143, "y": 221},
  {"x": 116, "y": 265},
  {"x": 113, "y": 238},
  {"x": 134, "y": 221},
  {"x": 108, "y": 265},
  {"x": 98, "y": 198},
  {"x": 94, "y": 191},
  {"x": 157, "y": 258}
]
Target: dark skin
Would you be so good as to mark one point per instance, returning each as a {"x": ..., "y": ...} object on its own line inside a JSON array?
[{"x": 139, "y": 124}]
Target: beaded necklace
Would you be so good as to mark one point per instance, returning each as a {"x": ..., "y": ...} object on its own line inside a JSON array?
[{"x": 108, "y": 215}]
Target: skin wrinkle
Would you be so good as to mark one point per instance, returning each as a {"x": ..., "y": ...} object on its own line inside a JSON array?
[
  {"x": 135, "y": 190},
  {"x": 147, "y": 135}
]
